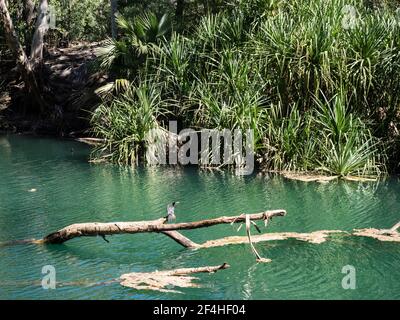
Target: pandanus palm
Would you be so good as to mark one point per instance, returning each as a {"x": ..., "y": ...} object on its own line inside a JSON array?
[{"x": 139, "y": 37}]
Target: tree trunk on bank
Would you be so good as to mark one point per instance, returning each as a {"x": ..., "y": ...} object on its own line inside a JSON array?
[
  {"x": 12, "y": 37},
  {"x": 114, "y": 8},
  {"x": 180, "y": 6},
  {"x": 29, "y": 8},
  {"x": 210, "y": 6},
  {"x": 42, "y": 26},
  {"x": 25, "y": 65}
]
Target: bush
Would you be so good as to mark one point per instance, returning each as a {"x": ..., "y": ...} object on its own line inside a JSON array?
[{"x": 320, "y": 94}]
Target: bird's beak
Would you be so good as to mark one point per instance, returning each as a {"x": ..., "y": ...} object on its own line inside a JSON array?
[{"x": 177, "y": 202}]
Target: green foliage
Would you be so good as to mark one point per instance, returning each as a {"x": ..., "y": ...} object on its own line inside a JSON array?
[
  {"x": 347, "y": 146},
  {"x": 124, "y": 123},
  {"x": 74, "y": 20},
  {"x": 83, "y": 19},
  {"x": 320, "y": 93},
  {"x": 140, "y": 37}
]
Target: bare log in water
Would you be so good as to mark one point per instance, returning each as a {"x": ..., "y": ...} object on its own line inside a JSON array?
[{"x": 159, "y": 225}]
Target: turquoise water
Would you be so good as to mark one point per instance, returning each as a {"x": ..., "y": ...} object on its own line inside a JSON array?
[{"x": 69, "y": 190}]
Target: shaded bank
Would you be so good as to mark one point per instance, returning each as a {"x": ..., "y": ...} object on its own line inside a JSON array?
[{"x": 70, "y": 84}]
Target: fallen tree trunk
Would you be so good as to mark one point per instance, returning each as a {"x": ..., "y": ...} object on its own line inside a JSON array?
[{"x": 159, "y": 225}]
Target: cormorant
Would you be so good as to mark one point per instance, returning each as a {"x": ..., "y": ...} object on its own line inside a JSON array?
[{"x": 171, "y": 211}]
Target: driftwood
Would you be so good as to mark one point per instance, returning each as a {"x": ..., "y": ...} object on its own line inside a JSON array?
[
  {"x": 160, "y": 280},
  {"x": 159, "y": 225}
]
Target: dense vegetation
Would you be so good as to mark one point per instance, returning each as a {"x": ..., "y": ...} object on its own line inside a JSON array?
[{"x": 317, "y": 80}]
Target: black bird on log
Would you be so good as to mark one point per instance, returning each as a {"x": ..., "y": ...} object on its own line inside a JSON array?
[{"x": 171, "y": 211}]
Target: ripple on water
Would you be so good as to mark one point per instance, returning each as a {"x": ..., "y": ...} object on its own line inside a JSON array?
[{"x": 70, "y": 190}]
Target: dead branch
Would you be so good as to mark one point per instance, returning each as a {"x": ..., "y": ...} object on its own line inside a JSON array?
[
  {"x": 181, "y": 239},
  {"x": 258, "y": 256},
  {"x": 395, "y": 227}
]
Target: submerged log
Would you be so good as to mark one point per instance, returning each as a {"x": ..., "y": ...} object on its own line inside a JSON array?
[
  {"x": 315, "y": 237},
  {"x": 380, "y": 234},
  {"x": 159, "y": 225},
  {"x": 159, "y": 280},
  {"x": 156, "y": 280}
]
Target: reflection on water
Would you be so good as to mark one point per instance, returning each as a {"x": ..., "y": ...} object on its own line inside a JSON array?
[{"x": 69, "y": 190}]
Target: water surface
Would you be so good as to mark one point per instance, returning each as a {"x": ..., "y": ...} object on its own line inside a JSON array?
[{"x": 46, "y": 184}]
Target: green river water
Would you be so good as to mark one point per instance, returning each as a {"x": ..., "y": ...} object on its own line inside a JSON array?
[{"x": 70, "y": 190}]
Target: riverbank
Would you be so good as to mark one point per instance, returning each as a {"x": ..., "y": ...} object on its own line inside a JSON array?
[
  {"x": 312, "y": 105},
  {"x": 69, "y": 84}
]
